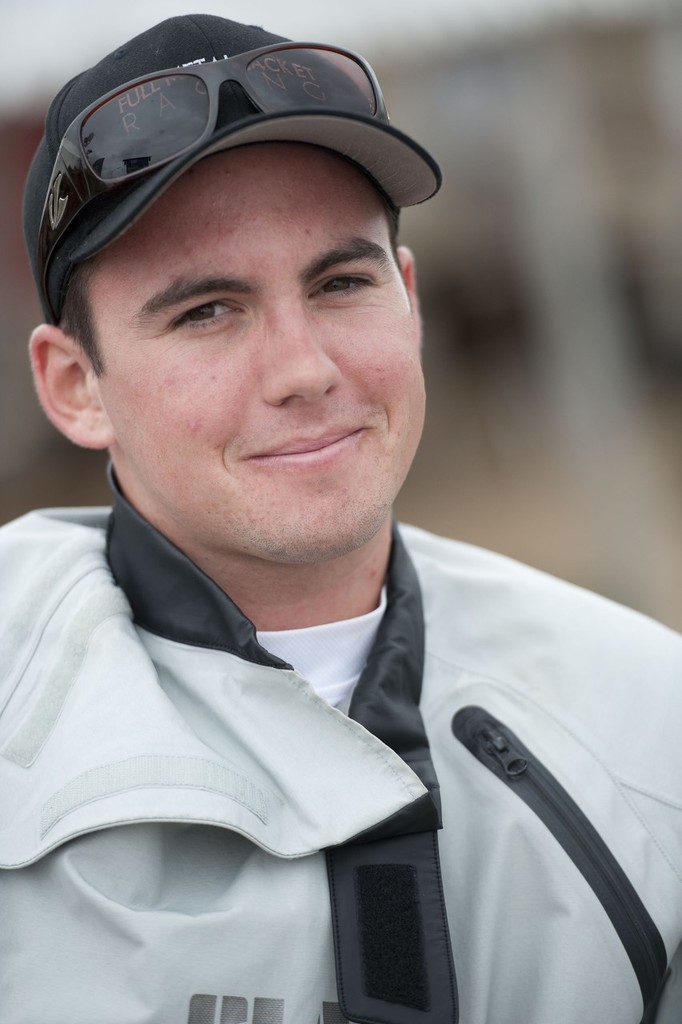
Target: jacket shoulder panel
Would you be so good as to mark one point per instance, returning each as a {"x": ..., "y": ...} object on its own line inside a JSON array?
[
  {"x": 609, "y": 675},
  {"x": 47, "y": 559}
]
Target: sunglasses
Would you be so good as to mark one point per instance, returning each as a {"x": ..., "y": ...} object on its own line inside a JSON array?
[{"x": 151, "y": 120}]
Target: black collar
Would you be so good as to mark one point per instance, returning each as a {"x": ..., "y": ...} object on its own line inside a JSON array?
[{"x": 169, "y": 594}]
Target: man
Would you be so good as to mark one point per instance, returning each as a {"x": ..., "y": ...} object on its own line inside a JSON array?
[{"x": 267, "y": 757}]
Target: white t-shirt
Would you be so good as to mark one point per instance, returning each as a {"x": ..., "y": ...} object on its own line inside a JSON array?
[{"x": 331, "y": 656}]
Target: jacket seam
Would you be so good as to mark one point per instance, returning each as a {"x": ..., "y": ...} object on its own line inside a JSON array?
[{"x": 158, "y": 819}]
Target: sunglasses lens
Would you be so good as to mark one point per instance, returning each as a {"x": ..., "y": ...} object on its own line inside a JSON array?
[
  {"x": 306, "y": 77},
  {"x": 145, "y": 125}
]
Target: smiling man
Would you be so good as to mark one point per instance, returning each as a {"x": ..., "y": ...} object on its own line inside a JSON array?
[
  {"x": 261, "y": 393},
  {"x": 268, "y": 757}
]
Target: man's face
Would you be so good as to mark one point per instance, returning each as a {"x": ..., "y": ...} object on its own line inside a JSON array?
[{"x": 262, "y": 379}]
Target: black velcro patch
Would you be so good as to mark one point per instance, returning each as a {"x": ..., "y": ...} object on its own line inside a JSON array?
[{"x": 391, "y": 935}]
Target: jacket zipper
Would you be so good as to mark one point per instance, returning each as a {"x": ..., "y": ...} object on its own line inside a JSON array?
[{"x": 496, "y": 747}]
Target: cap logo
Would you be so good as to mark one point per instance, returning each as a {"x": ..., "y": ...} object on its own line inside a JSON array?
[{"x": 56, "y": 203}]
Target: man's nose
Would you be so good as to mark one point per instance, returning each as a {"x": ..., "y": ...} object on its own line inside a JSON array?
[{"x": 296, "y": 363}]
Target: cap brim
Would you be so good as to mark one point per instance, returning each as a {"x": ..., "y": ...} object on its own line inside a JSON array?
[{"x": 401, "y": 168}]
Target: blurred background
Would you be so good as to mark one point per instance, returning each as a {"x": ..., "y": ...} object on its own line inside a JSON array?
[{"x": 551, "y": 266}]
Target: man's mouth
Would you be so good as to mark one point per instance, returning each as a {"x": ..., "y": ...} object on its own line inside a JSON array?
[{"x": 297, "y": 449}]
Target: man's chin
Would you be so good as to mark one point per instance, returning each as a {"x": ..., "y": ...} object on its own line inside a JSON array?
[{"x": 309, "y": 543}]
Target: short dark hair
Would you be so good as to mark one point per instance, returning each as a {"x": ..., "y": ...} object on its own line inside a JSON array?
[{"x": 77, "y": 319}]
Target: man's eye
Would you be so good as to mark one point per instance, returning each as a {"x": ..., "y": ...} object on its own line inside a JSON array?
[
  {"x": 342, "y": 284},
  {"x": 206, "y": 311}
]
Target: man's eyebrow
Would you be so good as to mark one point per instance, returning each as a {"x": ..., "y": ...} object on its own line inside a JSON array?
[
  {"x": 182, "y": 289},
  {"x": 348, "y": 252}
]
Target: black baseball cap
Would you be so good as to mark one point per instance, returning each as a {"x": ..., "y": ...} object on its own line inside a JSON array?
[{"x": 397, "y": 165}]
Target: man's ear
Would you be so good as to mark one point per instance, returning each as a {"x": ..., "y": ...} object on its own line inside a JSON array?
[
  {"x": 409, "y": 274},
  {"x": 68, "y": 388}
]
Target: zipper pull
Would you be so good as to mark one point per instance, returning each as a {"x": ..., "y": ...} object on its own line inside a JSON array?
[{"x": 497, "y": 747}]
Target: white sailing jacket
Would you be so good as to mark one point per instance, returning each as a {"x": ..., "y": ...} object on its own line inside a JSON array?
[{"x": 177, "y": 806}]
